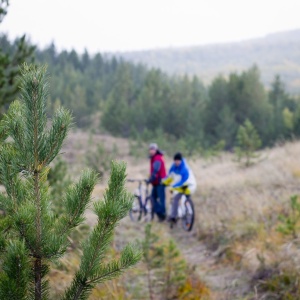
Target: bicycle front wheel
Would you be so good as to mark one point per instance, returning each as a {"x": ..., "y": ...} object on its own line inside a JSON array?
[
  {"x": 136, "y": 211},
  {"x": 188, "y": 216}
]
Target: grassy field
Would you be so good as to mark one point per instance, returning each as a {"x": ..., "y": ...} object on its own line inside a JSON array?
[{"x": 235, "y": 249}]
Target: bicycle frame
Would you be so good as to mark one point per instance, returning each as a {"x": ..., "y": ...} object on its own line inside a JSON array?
[
  {"x": 144, "y": 199},
  {"x": 143, "y": 196}
]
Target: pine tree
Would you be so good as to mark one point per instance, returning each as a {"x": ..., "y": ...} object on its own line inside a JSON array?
[
  {"x": 278, "y": 99},
  {"x": 174, "y": 270},
  {"x": 9, "y": 62},
  {"x": 152, "y": 257},
  {"x": 248, "y": 142},
  {"x": 3, "y": 9},
  {"x": 32, "y": 235},
  {"x": 288, "y": 120},
  {"x": 165, "y": 268}
]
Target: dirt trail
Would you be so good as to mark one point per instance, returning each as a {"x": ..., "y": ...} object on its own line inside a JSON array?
[{"x": 225, "y": 281}]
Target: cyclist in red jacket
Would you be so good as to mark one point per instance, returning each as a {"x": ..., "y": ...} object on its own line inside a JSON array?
[{"x": 157, "y": 173}]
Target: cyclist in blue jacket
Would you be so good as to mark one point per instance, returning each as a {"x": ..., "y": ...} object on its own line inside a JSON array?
[{"x": 182, "y": 180}]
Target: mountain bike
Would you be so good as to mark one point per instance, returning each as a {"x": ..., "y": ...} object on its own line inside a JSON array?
[
  {"x": 142, "y": 203},
  {"x": 186, "y": 212}
]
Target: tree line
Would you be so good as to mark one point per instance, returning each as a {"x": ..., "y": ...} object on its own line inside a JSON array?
[
  {"x": 135, "y": 102},
  {"x": 269, "y": 52}
]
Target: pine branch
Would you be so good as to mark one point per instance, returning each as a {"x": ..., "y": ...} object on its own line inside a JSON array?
[
  {"x": 34, "y": 92},
  {"x": 61, "y": 124},
  {"x": 115, "y": 205},
  {"x": 16, "y": 267},
  {"x": 8, "y": 168},
  {"x": 12, "y": 125},
  {"x": 129, "y": 257},
  {"x": 76, "y": 201}
]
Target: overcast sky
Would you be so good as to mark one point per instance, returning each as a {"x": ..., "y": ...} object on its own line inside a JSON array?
[{"x": 121, "y": 25}]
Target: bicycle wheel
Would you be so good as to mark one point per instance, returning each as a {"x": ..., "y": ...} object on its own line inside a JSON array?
[
  {"x": 148, "y": 210},
  {"x": 188, "y": 216},
  {"x": 136, "y": 211}
]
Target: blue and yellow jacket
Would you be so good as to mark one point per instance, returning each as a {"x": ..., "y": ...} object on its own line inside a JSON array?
[{"x": 181, "y": 176}]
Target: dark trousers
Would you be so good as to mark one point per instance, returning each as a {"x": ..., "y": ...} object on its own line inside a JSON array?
[{"x": 159, "y": 200}]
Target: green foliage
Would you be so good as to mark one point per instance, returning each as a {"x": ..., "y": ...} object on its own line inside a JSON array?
[
  {"x": 100, "y": 159},
  {"x": 181, "y": 111},
  {"x": 174, "y": 271},
  {"x": 115, "y": 206},
  {"x": 11, "y": 56},
  {"x": 290, "y": 222},
  {"x": 248, "y": 142},
  {"x": 219, "y": 118},
  {"x": 166, "y": 270},
  {"x": 152, "y": 257},
  {"x": 213, "y": 152},
  {"x": 288, "y": 119},
  {"x": 283, "y": 110},
  {"x": 14, "y": 280},
  {"x": 134, "y": 102},
  {"x": 9, "y": 69},
  {"x": 58, "y": 181},
  {"x": 3, "y": 9},
  {"x": 283, "y": 284},
  {"x": 35, "y": 236}
]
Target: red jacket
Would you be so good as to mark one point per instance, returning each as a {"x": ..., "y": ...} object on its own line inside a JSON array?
[{"x": 157, "y": 175}]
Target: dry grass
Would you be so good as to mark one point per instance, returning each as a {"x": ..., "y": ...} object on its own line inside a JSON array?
[
  {"x": 229, "y": 194},
  {"x": 237, "y": 213}
]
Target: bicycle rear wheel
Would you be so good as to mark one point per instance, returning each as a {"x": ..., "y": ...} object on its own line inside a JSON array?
[
  {"x": 136, "y": 211},
  {"x": 188, "y": 216}
]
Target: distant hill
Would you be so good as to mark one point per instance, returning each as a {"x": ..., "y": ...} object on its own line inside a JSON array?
[{"x": 277, "y": 53}]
